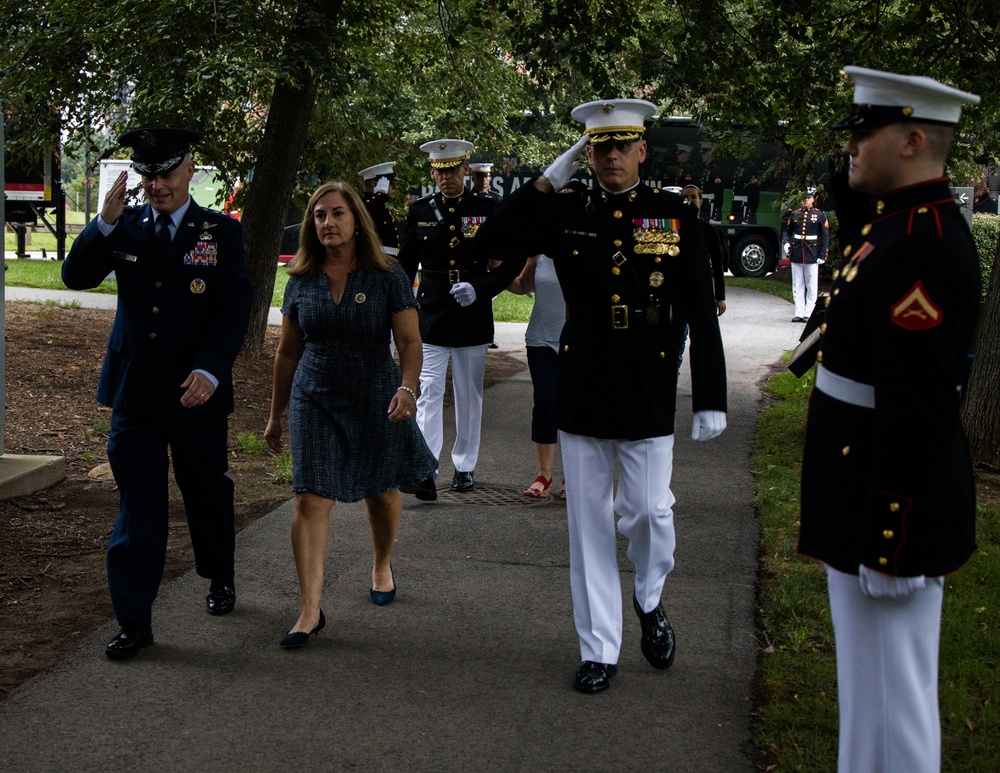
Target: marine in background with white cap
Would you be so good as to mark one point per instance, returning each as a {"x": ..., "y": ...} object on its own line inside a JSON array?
[
  {"x": 888, "y": 495},
  {"x": 456, "y": 305},
  {"x": 806, "y": 240},
  {"x": 380, "y": 186}
]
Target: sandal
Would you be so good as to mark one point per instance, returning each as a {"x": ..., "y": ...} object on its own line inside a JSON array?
[
  {"x": 538, "y": 493},
  {"x": 562, "y": 489}
]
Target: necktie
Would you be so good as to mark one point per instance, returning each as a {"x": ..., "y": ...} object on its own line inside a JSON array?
[{"x": 163, "y": 232}]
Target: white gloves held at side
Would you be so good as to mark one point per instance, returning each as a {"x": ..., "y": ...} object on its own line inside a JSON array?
[
  {"x": 382, "y": 186},
  {"x": 706, "y": 425},
  {"x": 876, "y": 585},
  {"x": 564, "y": 167},
  {"x": 464, "y": 293}
]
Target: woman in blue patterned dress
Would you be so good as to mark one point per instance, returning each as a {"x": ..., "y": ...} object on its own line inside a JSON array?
[{"x": 350, "y": 408}]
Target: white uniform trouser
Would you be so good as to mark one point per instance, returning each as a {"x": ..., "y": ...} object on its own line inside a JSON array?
[
  {"x": 805, "y": 284},
  {"x": 887, "y": 677},
  {"x": 468, "y": 367},
  {"x": 645, "y": 503}
]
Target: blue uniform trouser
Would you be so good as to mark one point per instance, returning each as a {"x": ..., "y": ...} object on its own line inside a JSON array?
[{"x": 138, "y": 453}]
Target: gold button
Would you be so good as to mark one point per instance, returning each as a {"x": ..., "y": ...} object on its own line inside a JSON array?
[
  {"x": 867, "y": 227},
  {"x": 836, "y": 291},
  {"x": 576, "y": 252},
  {"x": 922, "y": 211},
  {"x": 879, "y": 206},
  {"x": 883, "y": 561},
  {"x": 451, "y": 209},
  {"x": 663, "y": 355},
  {"x": 615, "y": 298},
  {"x": 894, "y": 507},
  {"x": 888, "y": 534},
  {"x": 566, "y": 348},
  {"x": 822, "y": 328},
  {"x": 618, "y": 242},
  {"x": 845, "y": 450},
  {"x": 617, "y": 214},
  {"x": 847, "y": 250},
  {"x": 451, "y": 228},
  {"x": 826, "y": 303},
  {"x": 657, "y": 259},
  {"x": 836, "y": 274},
  {"x": 615, "y": 270},
  {"x": 819, "y": 356},
  {"x": 451, "y": 263}
]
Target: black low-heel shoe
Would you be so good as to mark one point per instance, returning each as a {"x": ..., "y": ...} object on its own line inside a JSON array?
[
  {"x": 382, "y": 597},
  {"x": 292, "y": 641}
]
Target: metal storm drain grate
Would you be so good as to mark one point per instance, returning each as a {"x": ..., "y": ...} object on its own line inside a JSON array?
[{"x": 491, "y": 496}]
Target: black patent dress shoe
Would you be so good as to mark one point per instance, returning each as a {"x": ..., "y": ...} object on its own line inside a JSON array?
[
  {"x": 594, "y": 677},
  {"x": 425, "y": 490},
  {"x": 128, "y": 642},
  {"x": 221, "y": 598},
  {"x": 657, "y": 636},
  {"x": 462, "y": 481},
  {"x": 291, "y": 641}
]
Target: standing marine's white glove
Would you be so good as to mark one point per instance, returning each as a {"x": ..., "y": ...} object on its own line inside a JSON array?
[
  {"x": 382, "y": 186},
  {"x": 707, "y": 424},
  {"x": 464, "y": 293},
  {"x": 876, "y": 585},
  {"x": 787, "y": 249},
  {"x": 564, "y": 167}
]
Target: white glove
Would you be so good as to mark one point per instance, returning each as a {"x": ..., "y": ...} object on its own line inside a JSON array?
[
  {"x": 382, "y": 186},
  {"x": 786, "y": 248},
  {"x": 464, "y": 293},
  {"x": 876, "y": 585},
  {"x": 707, "y": 424},
  {"x": 821, "y": 261},
  {"x": 566, "y": 165}
]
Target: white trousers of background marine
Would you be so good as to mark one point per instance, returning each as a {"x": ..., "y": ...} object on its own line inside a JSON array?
[
  {"x": 645, "y": 503},
  {"x": 468, "y": 368},
  {"x": 887, "y": 677},
  {"x": 805, "y": 286}
]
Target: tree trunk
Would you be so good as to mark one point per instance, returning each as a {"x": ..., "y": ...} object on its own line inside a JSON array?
[
  {"x": 278, "y": 160},
  {"x": 981, "y": 409}
]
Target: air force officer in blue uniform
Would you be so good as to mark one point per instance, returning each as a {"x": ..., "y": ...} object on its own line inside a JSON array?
[{"x": 183, "y": 308}]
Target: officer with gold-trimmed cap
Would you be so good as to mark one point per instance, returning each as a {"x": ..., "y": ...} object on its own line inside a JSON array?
[
  {"x": 380, "y": 186},
  {"x": 888, "y": 495},
  {"x": 482, "y": 175},
  {"x": 183, "y": 308},
  {"x": 622, "y": 251},
  {"x": 456, "y": 311}
]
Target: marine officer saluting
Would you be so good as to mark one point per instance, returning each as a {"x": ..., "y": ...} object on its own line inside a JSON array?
[
  {"x": 622, "y": 251},
  {"x": 456, "y": 312},
  {"x": 888, "y": 495},
  {"x": 183, "y": 307},
  {"x": 380, "y": 186}
]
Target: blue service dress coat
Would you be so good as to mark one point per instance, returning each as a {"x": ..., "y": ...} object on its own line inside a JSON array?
[
  {"x": 620, "y": 260},
  {"x": 186, "y": 311},
  {"x": 887, "y": 478}
]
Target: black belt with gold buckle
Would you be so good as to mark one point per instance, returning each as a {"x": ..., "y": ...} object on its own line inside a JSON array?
[
  {"x": 453, "y": 276},
  {"x": 622, "y": 316}
]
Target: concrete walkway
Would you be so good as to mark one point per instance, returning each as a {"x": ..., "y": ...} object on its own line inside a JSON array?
[{"x": 471, "y": 667}]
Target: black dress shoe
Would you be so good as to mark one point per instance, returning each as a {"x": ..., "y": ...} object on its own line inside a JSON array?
[
  {"x": 657, "y": 636},
  {"x": 128, "y": 642},
  {"x": 221, "y": 598},
  {"x": 462, "y": 481},
  {"x": 594, "y": 677},
  {"x": 291, "y": 641},
  {"x": 425, "y": 490}
]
